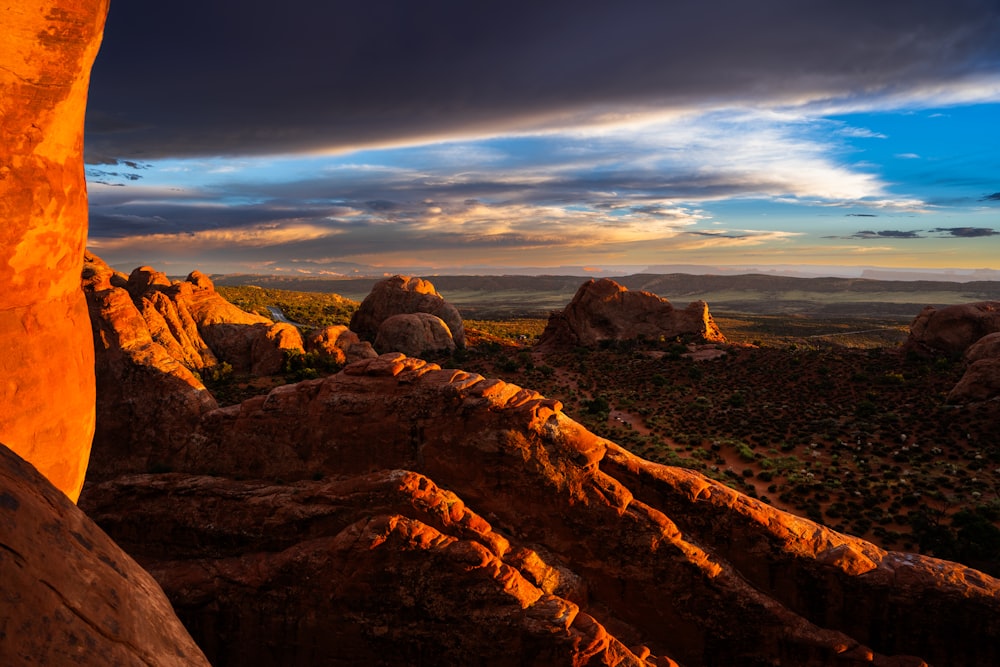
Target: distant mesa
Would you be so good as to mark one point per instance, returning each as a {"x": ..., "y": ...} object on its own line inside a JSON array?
[
  {"x": 603, "y": 310},
  {"x": 402, "y": 295}
]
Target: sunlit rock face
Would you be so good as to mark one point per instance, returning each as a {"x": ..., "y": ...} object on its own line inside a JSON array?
[
  {"x": 47, "y": 363},
  {"x": 603, "y": 310},
  {"x": 71, "y": 596},
  {"x": 400, "y": 295},
  {"x": 402, "y": 513},
  {"x": 413, "y": 334}
]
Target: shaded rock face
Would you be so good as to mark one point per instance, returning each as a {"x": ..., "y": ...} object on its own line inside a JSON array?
[
  {"x": 413, "y": 334},
  {"x": 401, "y": 295},
  {"x": 341, "y": 344},
  {"x": 425, "y": 513},
  {"x": 603, "y": 310},
  {"x": 970, "y": 330},
  {"x": 71, "y": 596},
  {"x": 953, "y": 329},
  {"x": 981, "y": 380},
  {"x": 46, "y": 54}
]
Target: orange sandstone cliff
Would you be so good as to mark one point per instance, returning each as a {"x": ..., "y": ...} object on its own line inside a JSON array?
[{"x": 47, "y": 364}]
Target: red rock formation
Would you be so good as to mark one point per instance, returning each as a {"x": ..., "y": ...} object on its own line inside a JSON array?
[
  {"x": 148, "y": 396},
  {"x": 46, "y": 53},
  {"x": 603, "y": 310},
  {"x": 981, "y": 380},
  {"x": 340, "y": 343},
  {"x": 413, "y": 334},
  {"x": 953, "y": 329},
  {"x": 452, "y": 509},
  {"x": 400, "y": 295},
  {"x": 970, "y": 329},
  {"x": 71, "y": 596}
]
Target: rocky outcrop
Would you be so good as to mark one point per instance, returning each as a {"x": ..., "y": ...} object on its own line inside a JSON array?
[
  {"x": 71, "y": 596},
  {"x": 981, "y": 380},
  {"x": 603, "y": 310},
  {"x": 413, "y": 334},
  {"x": 339, "y": 343},
  {"x": 971, "y": 331},
  {"x": 953, "y": 329},
  {"x": 193, "y": 323},
  {"x": 423, "y": 511},
  {"x": 47, "y": 391},
  {"x": 400, "y": 295},
  {"x": 148, "y": 396}
]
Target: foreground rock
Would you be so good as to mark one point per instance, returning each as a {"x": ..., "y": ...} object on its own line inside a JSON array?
[
  {"x": 425, "y": 513},
  {"x": 70, "y": 596},
  {"x": 46, "y": 53},
  {"x": 400, "y": 295},
  {"x": 603, "y": 310}
]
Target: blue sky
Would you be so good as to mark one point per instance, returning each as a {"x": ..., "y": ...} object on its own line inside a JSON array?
[{"x": 776, "y": 168}]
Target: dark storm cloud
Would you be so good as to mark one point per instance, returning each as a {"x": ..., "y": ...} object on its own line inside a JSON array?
[
  {"x": 888, "y": 234},
  {"x": 993, "y": 197},
  {"x": 965, "y": 232},
  {"x": 224, "y": 77}
]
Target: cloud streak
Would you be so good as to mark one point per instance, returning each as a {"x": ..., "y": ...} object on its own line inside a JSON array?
[{"x": 185, "y": 79}]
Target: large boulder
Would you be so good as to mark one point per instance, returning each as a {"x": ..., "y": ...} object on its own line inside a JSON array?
[
  {"x": 47, "y": 364},
  {"x": 981, "y": 380},
  {"x": 340, "y": 343},
  {"x": 423, "y": 513},
  {"x": 71, "y": 596},
  {"x": 603, "y": 310},
  {"x": 413, "y": 334},
  {"x": 951, "y": 330},
  {"x": 400, "y": 295}
]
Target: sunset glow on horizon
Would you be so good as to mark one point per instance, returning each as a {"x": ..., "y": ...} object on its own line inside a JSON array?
[{"x": 884, "y": 161}]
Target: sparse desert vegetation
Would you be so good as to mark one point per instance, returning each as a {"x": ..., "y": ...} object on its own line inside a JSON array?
[
  {"x": 856, "y": 436},
  {"x": 821, "y": 416}
]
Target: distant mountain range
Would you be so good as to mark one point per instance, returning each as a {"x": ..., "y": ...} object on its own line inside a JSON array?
[{"x": 486, "y": 296}]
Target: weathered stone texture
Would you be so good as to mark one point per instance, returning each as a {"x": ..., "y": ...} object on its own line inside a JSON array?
[{"x": 46, "y": 363}]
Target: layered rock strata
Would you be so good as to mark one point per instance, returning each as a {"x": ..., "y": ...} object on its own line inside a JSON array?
[
  {"x": 430, "y": 511},
  {"x": 46, "y": 54},
  {"x": 602, "y": 310}
]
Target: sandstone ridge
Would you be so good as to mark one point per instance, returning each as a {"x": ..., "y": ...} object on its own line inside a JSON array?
[
  {"x": 603, "y": 310},
  {"x": 401, "y": 499}
]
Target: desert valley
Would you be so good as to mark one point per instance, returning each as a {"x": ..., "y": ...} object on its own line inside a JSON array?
[{"x": 656, "y": 470}]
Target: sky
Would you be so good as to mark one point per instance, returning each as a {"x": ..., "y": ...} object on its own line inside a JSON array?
[{"x": 325, "y": 138}]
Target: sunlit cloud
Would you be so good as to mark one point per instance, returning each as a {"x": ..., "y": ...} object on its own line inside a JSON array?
[{"x": 206, "y": 239}]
